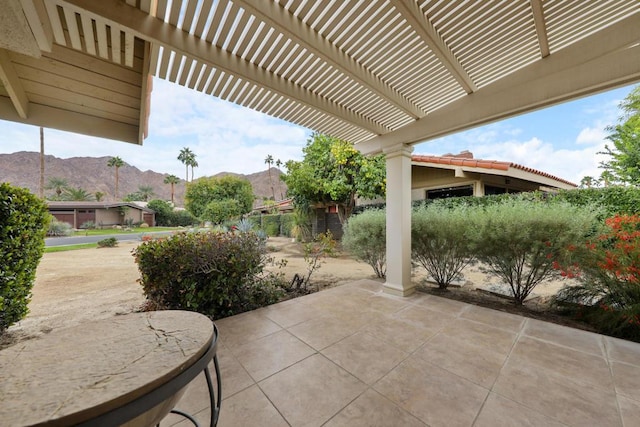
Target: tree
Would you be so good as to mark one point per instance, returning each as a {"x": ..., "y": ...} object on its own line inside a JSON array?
[
  {"x": 624, "y": 164},
  {"x": 99, "y": 195},
  {"x": 269, "y": 161},
  {"x": 279, "y": 165},
  {"x": 333, "y": 171},
  {"x": 117, "y": 163},
  {"x": 41, "y": 162},
  {"x": 186, "y": 156},
  {"x": 172, "y": 180},
  {"x": 193, "y": 163},
  {"x": 58, "y": 185},
  {"x": 588, "y": 181},
  {"x": 206, "y": 190},
  {"x": 145, "y": 192},
  {"x": 77, "y": 195}
]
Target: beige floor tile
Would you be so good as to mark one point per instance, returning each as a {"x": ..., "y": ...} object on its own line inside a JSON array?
[
  {"x": 627, "y": 380},
  {"x": 434, "y": 395},
  {"x": 443, "y": 305},
  {"x": 312, "y": 391},
  {"x": 364, "y": 356},
  {"x": 557, "y": 396},
  {"x": 373, "y": 410},
  {"x": 478, "y": 364},
  {"x": 403, "y": 335},
  {"x": 368, "y": 284},
  {"x": 429, "y": 320},
  {"x": 244, "y": 328},
  {"x": 584, "y": 368},
  {"x": 623, "y": 351},
  {"x": 322, "y": 332},
  {"x": 501, "y": 412},
  {"x": 271, "y": 354},
  {"x": 234, "y": 377},
  {"x": 565, "y": 336},
  {"x": 495, "y": 318},
  {"x": 630, "y": 411},
  {"x": 250, "y": 407},
  {"x": 481, "y": 335},
  {"x": 290, "y": 313}
]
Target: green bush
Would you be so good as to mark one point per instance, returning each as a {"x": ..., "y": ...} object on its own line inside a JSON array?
[
  {"x": 109, "y": 242},
  {"x": 88, "y": 225},
  {"x": 163, "y": 210},
  {"x": 271, "y": 224},
  {"x": 58, "y": 228},
  {"x": 286, "y": 224},
  {"x": 520, "y": 240},
  {"x": 440, "y": 240},
  {"x": 364, "y": 236},
  {"x": 217, "y": 274},
  {"x": 24, "y": 219},
  {"x": 218, "y": 211},
  {"x": 614, "y": 199}
]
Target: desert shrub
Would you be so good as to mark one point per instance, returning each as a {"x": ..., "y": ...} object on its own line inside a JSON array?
[
  {"x": 59, "y": 228},
  {"x": 521, "y": 240},
  {"x": 109, "y": 242},
  {"x": 608, "y": 271},
  {"x": 271, "y": 224},
  {"x": 183, "y": 219},
  {"x": 88, "y": 225},
  {"x": 143, "y": 225},
  {"x": 217, "y": 274},
  {"x": 244, "y": 226},
  {"x": 365, "y": 237},
  {"x": 23, "y": 223},
  {"x": 613, "y": 199},
  {"x": 440, "y": 241}
]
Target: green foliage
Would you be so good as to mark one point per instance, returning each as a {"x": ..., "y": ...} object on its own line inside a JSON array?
[
  {"x": 440, "y": 240},
  {"x": 286, "y": 224},
  {"x": 188, "y": 158},
  {"x": 613, "y": 200},
  {"x": 608, "y": 271},
  {"x": 519, "y": 240},
  {"x": 88, "y": 225},
  {"x": 334, "y": 171},
  {"x": 217, "y": 274},
  {"x": 365, "y": 237},
  {"x": 58, "y": 185},
  {"x": 218, "y": 211},
  {"x": 624, "y": 163},
  {"x": 206, "y": 190},
  {"x": 24, "y": 219},
  {"x": 109, "y": 242},
  {"x": 76, "y": 195},
  {"x": 301, "y": 223},
  {"x": 315, "y": 252},
  {"x": 58, "y": 228},
  {"x": 271, "y": 224},
  {"x": 166, "y": 216}
]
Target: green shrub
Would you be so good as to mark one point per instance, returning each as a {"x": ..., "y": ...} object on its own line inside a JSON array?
[
  {"x": 286, "y": 224},
  {"x": 218, "y": 211},
  {"x": 88, "y": 225},
  {"x": 24, "y": 219},
  {"x": 365, "y": 237},
  {"x": 217, "y": 274},
  {"x": 58, "y": 228},
  {"x": 614, "y": 199},
  {"x": 109, "y": 242},
  {"x": 520, "y": 240},
  {"x": 271, "y": 224},
  {"x": 440, "y": 241},
  {"x": 163, "y": 211},
  {"x": 183, "y": 219}
]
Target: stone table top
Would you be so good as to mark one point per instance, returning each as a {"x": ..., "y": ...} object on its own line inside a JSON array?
[{"x": 72, "y": 375}]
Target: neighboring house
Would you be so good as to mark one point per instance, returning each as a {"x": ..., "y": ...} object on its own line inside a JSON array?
[
  {"x": 434, "y": 177},
  {"x": 100, "y": 213}
]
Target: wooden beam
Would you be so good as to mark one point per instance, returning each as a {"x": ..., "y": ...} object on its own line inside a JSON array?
[
  {"x": 13, "y": 86},
  {"x": 37, "y": 18},
  {"x": 541, "y": 27},
  {"x": 151, "y": 29},
  {"x": 601, "y": 61}
]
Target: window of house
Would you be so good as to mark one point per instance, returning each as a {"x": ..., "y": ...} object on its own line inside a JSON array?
[{"x": 443, "y": 193}]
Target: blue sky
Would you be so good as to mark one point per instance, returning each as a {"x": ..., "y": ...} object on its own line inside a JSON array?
[{"x": 561, "y": 140}]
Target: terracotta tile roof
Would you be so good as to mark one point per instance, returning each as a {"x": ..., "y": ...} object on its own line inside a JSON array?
[{"x": 484, "y": 164}]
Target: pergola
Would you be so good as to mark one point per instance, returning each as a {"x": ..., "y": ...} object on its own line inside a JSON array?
[{"x": 383, "y": 74}]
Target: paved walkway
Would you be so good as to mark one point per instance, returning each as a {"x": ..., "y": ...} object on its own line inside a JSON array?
[{"x": 353, "y": 356}]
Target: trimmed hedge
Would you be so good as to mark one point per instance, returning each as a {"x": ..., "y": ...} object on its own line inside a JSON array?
[{"x": 24, "y": 219}]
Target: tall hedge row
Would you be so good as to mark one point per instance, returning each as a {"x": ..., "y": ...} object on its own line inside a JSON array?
[{"x": 24, "y": 219}]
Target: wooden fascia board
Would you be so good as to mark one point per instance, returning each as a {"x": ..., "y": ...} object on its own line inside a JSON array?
[
  {"x": 155, "y": 31},
  {"x": 54, "y": 118},
  {"x": 602, "y": 61},
  {"x": 12, "y": 84},
  {"x": 293, "y": 28}
]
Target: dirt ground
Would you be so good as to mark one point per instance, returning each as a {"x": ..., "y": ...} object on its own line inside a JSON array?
[{"x": 88, "y": 284}]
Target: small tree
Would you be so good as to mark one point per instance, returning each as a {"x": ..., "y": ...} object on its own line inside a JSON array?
[
  {"x": 365, "y": 237},
  {"x": 24, "y": 219},
  {"x": 521, "y": 241},
  {"x": 206, "y": 190}
]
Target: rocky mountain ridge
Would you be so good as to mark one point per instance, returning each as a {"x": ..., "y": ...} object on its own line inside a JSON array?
[{"x": 92, "y": 174}]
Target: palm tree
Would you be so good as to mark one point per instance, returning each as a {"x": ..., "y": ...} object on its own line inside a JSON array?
[
  {"x": 193, "y": 163},
  {"x": 77, "y": 195},
  {"x": 58, "y": 185},
  {"x": 185, "y": 156},
  {"x": 172, "y": 180},
  {"x": 269, "y": 161},
  {"x": 41, "y": 162},
  {"x": 279, "y": 165},
  {"x": 145, "y": 192},
  {"x": 587, "y": 181},
  {"x": 117, "y": 163},
  {"x": 99, "y": 195}
]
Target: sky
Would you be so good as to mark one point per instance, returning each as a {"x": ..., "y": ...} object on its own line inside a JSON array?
[{"x": 563, "y": 140}]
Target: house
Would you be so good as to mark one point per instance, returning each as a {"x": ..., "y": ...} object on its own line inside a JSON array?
[
  {"x": 454, "y": 175},
  {"x": 102, "y": 214}
]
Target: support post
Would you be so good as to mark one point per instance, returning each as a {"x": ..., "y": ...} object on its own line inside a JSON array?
[{"x": 398, "y": 162}]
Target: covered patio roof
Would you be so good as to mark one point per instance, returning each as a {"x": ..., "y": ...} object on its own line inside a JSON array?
[{"x": 376, "y": 72}]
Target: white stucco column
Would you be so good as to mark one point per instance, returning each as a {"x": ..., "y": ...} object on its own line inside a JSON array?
[{"x": 399, "y": 220}]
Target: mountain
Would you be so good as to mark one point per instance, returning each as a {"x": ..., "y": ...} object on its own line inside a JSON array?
[{"x": 92, "y": 174}]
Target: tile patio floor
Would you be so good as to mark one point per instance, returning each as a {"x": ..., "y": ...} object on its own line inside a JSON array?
[{"x": 352, "y": 356}]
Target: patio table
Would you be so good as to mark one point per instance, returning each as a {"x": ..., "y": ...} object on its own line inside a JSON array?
[{"x": 127, "y": 370}]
